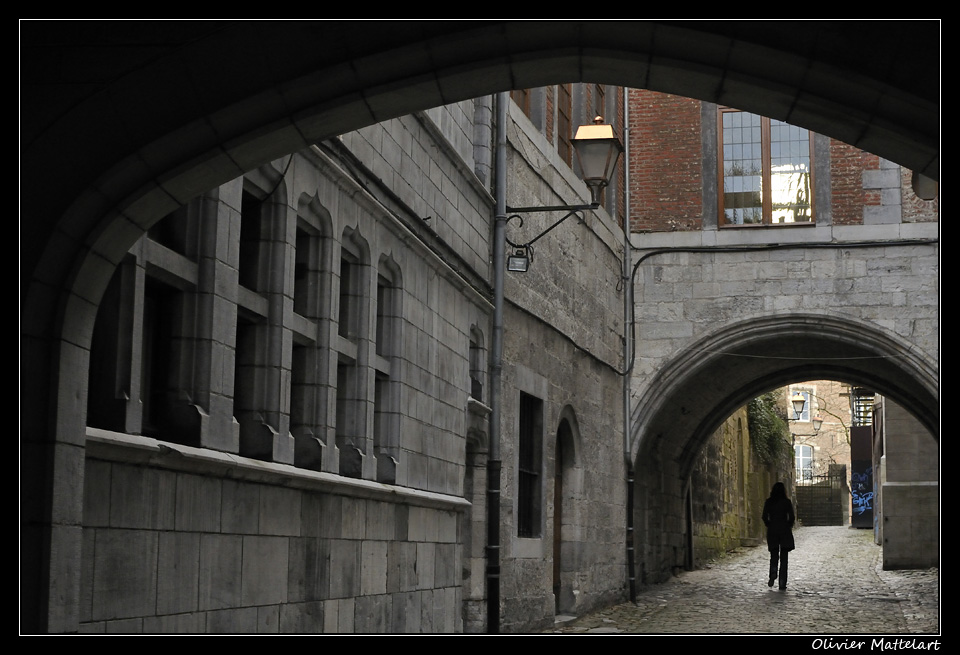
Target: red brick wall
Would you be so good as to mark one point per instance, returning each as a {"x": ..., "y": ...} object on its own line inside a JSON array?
[
  {"x": 666, "y": 170},
  {"x": 665, "y": 162},
  {"x": 846, "y": 183}
]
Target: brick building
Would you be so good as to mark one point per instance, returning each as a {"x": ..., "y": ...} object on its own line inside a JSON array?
[{"x": 677, "y": 146}]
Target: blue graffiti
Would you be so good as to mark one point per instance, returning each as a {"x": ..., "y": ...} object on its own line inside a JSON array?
[
  {"x": 861, "y": 490},
  {"x": 859, "y": 479},
  {"x": 862, "y": 502}
]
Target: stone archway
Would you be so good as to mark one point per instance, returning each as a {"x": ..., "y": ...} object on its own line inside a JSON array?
[
  {"x": 684, "y": 404},
  {"x": 771, "y": 350},
  {"x": 121, "y": 130}
]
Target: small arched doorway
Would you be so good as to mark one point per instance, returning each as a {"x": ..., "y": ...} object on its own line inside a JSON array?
[{"x": 565, "y": 485}]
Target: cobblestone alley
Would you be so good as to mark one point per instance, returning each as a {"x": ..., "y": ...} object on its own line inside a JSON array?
[{"x": 836, "y": 588}]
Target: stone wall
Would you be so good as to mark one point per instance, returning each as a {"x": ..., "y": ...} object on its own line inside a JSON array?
[
  {"x": 728, "y": 487},
  {"x": 183, "y": 540},
  {"x": 685, "y": 295},
  {"x": 719, "y": 504}
]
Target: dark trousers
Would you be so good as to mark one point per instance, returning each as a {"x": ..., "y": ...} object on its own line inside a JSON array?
[{"x": 782, "y": 555}]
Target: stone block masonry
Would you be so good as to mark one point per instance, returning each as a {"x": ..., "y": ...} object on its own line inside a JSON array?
[{"x": 201, "y": 543}]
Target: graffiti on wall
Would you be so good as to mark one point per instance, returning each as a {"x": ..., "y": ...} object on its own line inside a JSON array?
[
  {"x": 861, "y": 492},
  {"x": 861, "y": 476}
]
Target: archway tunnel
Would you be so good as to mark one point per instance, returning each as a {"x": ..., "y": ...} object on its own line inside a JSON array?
[{"x": 693, "y": 396}]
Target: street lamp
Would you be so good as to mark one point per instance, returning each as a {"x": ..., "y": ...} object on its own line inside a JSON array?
[
  {"x": 798, "y": 402},
  {"x": 597, "y": 149}
]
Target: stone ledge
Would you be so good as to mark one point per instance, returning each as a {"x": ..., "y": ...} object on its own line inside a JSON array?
[{"x": 134, "y": 449}]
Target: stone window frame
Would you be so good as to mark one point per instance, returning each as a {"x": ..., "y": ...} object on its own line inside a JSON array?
[
  {"x": 477, "y": 360},
  {"x": 310, "y": 387},
  {"x": 351, "y": 342},
  {"x": 262, "y": 371},
  {"x": 152, "y": 264}
]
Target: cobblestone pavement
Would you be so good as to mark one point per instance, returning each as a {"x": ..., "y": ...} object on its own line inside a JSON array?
[{"x": 836, "y": 586}]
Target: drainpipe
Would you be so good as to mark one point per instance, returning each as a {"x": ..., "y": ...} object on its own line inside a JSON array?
[
  {"x": 628, "y": 355},
  {"x": 496, "y": 368}
]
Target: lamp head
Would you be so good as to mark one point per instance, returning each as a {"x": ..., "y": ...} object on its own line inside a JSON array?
[
  {"x": 598, "y": 150},
  {"x": 817, "y": 422},
  {"x": 798, "y": 401}
]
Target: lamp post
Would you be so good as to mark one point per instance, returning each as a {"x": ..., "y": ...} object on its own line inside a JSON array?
[{"x": 597, "y": 152}]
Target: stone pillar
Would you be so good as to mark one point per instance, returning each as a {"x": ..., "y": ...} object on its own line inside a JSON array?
[
  {"x": 217, "y": 224},
  {"x": 910, "y": 490}
]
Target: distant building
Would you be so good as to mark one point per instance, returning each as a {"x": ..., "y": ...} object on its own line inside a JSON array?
[{"x": 821, "y": 435}]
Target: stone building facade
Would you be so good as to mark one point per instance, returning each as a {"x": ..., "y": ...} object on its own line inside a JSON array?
[
  {"x": 821, "y": 432},
  {"x": 283, "y": 373},
  {"x": 289, "y": 397}
]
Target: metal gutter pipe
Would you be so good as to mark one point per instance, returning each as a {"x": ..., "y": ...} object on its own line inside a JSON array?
[
  {"x": 496, "y": 369},
  {"x": 628, "y": 355}
]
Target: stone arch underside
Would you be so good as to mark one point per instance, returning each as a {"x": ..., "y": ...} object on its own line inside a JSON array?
[
  {"x": 197, "y": 105},
  {"x": 711, "y": 378},
  {"x": 139, "y": 118}
]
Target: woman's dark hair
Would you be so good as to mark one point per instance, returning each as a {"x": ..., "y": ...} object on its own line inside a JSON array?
[{"x": 778, "y": 491}]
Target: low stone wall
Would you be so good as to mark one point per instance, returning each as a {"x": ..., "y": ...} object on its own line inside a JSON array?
[{"x": 197, "y": 541}]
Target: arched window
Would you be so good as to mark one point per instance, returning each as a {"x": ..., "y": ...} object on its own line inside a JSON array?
[{"x": 478, "y": 369}]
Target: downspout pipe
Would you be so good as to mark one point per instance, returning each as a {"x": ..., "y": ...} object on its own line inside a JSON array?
[
  {"x": 628, "y": 355},
  {"x": 496, "y": 369}
]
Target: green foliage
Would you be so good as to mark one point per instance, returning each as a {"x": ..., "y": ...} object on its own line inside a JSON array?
[{"x": 769, "y": 430}]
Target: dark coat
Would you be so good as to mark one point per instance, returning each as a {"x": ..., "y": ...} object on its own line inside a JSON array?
[{"x": 778, "y": 517}]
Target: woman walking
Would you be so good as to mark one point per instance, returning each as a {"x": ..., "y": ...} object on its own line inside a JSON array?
[{"x": 778, "y": 517}]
